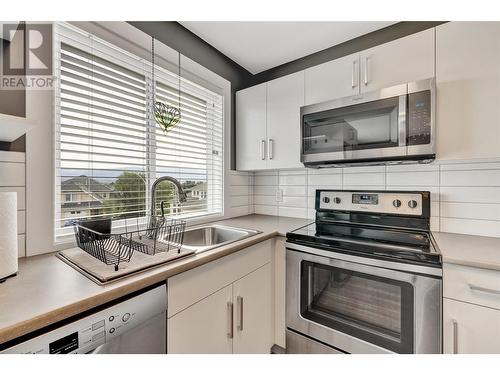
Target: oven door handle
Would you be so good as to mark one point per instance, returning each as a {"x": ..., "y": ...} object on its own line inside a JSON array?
[
  {"x": 372, "y": 244},
  {"x": 385, "y": 268}
]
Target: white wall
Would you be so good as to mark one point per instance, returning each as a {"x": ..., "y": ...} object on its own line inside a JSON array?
[
  {"x": 12, "y": 179},
  {"x": 465, "y": 195}
]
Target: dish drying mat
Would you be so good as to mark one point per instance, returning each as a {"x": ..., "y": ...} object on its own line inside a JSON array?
[{"x": 102, "y": 274}]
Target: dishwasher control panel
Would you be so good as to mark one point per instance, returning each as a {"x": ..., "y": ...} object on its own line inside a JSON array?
[{"x": 88, "y": 333}]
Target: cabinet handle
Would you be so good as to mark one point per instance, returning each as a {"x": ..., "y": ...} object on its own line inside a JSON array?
[
  {"x": 366, "y": 70},
  {"x": 353, "y": 82},
  {"x": 271, "y": 149},
  {"x": 263, "y": 149},
  {"x": 455, "y": 336},
  {"x": 229, "y": 320},
  {"x": 476, "y": 288},
  {"x": 239, "y": 306}
]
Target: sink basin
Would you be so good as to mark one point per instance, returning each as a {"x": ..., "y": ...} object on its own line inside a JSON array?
[{"x": 208, "y": 237}]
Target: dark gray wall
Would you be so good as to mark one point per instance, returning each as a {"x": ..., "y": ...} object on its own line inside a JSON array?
[
  {"x": 361, "y": 43},
  {"x": 181, "y": 39}
]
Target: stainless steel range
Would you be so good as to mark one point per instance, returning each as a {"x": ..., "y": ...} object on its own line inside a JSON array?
[{"x": 366, "y": 277}]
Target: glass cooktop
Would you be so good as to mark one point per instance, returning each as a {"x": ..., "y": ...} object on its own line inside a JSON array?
[{"x": 379, "y": 242}]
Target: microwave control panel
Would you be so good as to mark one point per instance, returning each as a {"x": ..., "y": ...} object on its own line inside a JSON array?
[{"x": 419, "y": 118}]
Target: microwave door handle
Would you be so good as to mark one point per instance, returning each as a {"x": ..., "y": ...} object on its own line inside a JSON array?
[
  {"x": 402, "y": 119},
  {"x": 353, "y": 79},
  {"x": 366, "y": 71}
]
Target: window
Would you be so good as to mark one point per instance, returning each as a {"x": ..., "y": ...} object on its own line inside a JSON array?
[{"x": 109, "y": 150}]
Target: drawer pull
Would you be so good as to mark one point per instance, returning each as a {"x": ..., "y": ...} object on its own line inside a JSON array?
[
  {"x": 239, "y": 301},
  {"x": 480, "y": 289},
  {"x": 455, "y": 336},
  {"x": 229, "y": 320}
]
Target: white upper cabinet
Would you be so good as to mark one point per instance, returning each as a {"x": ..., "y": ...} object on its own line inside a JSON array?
[
  {"x": 407, "y": 59},
  {"x": 332, "y": 80},
  {"x": 268, "y": 124},
  {"x": 251, "y": 128},
  {"x": 468, "y": 90},
  {"x": 285, "y": 96}
]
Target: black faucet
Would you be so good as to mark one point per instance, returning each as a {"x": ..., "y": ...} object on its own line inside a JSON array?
[{"x": 182, "y": 194}]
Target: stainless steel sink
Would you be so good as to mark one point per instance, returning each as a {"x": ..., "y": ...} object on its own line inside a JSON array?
[{"x": 210, "y": 236}]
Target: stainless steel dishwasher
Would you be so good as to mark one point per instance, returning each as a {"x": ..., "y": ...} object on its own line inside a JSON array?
[{"x": 136, "y": 325}]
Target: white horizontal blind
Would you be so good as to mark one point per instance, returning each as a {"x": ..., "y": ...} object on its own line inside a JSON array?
[{"x": 109, "y": 152}]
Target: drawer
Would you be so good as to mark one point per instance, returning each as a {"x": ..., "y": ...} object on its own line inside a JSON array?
[
  {"x": 192, "y": 286},
  {"x": 473, "y": 285}
]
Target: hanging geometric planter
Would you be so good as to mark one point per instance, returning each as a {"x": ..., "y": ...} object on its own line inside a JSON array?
[{"x": 166, "y": 116}]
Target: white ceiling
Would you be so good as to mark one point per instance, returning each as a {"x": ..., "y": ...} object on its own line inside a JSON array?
[{"x": 258, "y": 46}]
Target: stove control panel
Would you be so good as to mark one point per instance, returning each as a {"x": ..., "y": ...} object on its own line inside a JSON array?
[{"x": 399, "y": 203}]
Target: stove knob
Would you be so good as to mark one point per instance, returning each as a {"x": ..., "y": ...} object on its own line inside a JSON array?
[
  {"x": 326, "y": 200},
  {"x": 412, "y": 204},
  {"x": 337, "y": 200},
  {"x": 396, "y": 203}
]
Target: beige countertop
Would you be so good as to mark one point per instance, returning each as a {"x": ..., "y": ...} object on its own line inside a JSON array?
[
  {"x": 467, "y": 250},
  {"x": 47, "y": 290}
]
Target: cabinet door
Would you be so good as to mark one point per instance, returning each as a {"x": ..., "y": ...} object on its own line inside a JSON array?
[
  {"x": 253, "y": 312},
  {"x": 407, "y": 59},
  {"x": 251, "y": 128},
  {"x": 468, "y": 90},
  {"x": 203, "y": 327},
  {"x": 470, "y": 329},
  {"x": 332, "y": 80},
  {"x": 285, "y": 96}
]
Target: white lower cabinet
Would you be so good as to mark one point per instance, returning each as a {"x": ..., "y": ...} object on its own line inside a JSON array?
[
  {"x": 253, "y": 321},
  {"x": 471, "y": 310},
  {"x": 470, "y": 329},
  {"x": 225, "y": 306},
  {"x": 202, "y": 328}
]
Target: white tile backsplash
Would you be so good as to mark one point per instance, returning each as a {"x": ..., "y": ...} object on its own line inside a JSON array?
[
  {"x": 415, "y": 178},
  {"x": 465, "y": 196},
  {"x": 364, "y": 179},
  {"x": 325, "y": 179},
  {"x": 477, "y": 194},
  {"x": 482, "y": 177}
]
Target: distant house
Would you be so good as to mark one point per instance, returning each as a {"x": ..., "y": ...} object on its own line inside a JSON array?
[
  {"x": 196, "y": 199},
  {"x": 82, "y": 196},
  {"x": 199, "y": 191}
]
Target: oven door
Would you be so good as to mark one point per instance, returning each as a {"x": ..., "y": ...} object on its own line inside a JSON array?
[
  {"x": 368, "y": 126},
  {"x": 361, "y": 308}
]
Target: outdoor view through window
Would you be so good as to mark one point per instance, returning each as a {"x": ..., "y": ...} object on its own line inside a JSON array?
[{"x": 109, "y": 150}]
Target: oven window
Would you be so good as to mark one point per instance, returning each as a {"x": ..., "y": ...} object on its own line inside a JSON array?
[
  {"x": 357, "y": 127},
  {"x": 371, "y": 308}
]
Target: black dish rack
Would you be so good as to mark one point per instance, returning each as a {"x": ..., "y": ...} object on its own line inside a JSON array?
[{"x": 161, "y": 234}]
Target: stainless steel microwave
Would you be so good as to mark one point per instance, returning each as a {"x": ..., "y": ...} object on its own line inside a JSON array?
[{"x": 391, "y": 125}]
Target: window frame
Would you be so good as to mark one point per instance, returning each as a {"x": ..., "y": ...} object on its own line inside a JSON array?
[{"x": 66, "y": 235}]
